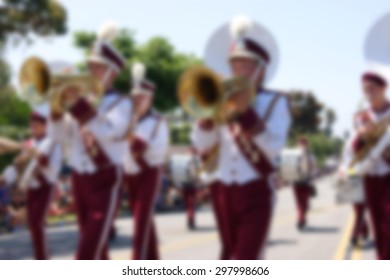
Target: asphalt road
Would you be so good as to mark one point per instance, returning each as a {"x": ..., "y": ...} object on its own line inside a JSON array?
[{"x": 327, "y": 235}]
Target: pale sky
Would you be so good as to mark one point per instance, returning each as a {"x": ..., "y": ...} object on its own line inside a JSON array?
[{"x": 321, "y": 42}]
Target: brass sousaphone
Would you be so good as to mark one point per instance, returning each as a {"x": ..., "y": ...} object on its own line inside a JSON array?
[{"x": 38, "y": 85}]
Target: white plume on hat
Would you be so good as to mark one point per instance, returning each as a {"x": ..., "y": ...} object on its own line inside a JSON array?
[
  {"x": 240, "y": 26},
  {"x": 108, "y": 31},
  {"x": 138, "y": 72}
]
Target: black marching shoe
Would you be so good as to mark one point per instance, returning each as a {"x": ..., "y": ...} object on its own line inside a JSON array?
[
  {"x": 301, "y": 225},
  {"x": 191, "y": 225},
  {"x": 355, "y": 241}
]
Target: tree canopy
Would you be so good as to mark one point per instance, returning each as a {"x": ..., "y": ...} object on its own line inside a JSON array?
[
  {"x": 24, "y": 18},
  {"x": 164, "y": 63},
  {"x": 309, "y": 114}
]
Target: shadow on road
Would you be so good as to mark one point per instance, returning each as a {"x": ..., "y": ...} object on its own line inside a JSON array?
[
  {"x": 205, "y": 229},
  {"x": 317, "y": 229},
  {"x": 62, "y": 242},
  {"x": 369, "y": 245},
  {"x": 278, "y": 242}
]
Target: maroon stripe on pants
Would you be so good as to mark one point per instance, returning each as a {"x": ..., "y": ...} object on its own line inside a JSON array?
[
  {"x": 246, "y": 213},
  {"x": 96, "y": 200},
  {"x": 302, "y": 196},
  {"x": 360, "y": 227},
  {"x": 377, "y": 192},
  {"x": 189, "y": 195},
  {"x": 38, "y": 201},
  {"x": 216, "y": 200},
  {"x": 143, "y": 188}
]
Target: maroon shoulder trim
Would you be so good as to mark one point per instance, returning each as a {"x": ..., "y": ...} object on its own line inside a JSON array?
[
  {"x": 251, "y": 122},
  {"x": 96, "y": 152},
  {"x": 43, "y": 182},
  {"x": 253, "y": 154},
  {"x": 206, "y": 124},
  {"x": 43, "y": 161},
  {"x": 82, "y": 111},
  {"x": 138, "y": 146}
]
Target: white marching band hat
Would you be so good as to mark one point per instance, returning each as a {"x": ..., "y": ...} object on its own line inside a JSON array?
[
  {"x": 140, "y": 85},
  {"x": 103, "y": 51},
  {"x": 377, "y": 51},
  {"x": 242, "y": 38}
]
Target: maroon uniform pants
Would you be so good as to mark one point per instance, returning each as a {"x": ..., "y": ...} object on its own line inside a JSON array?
[
  {"x": 96, "y": 200},
  {"x": 302, "y": 194},
  {"x": 189, "y": 195},
  {"x": 360, "y": 228},
  {"x": 377, "y": 192},
  {"x": 216, "y": 190},
  {"x": 143, "y": 188},
  {"x": 38, "y": 203},
  {"x": 246, "y": 212}
]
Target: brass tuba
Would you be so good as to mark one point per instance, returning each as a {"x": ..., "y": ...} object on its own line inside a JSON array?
[
  {"x": 38, "y": 85},
  {"x": 200, "y": 92},
  {"x": 203, "y": 94}
]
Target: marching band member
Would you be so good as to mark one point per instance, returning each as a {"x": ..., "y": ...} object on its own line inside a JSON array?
[
  {"x": 146, "y": 152},
  {"x": 190, "y": 191},
  {"x": 304, "y": 189},
  {"x": 96, "y": 142},
  {"x": 250, "y": 142},
  {"x": 376, "y": 167},
  {"x": 41, "y": 181}
]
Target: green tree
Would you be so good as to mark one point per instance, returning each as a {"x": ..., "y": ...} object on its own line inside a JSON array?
[
  {"x": 306, "y": 110},
  {"x": 330, "y": 119},
  {"x": 164, "y": 63},
  {"x": 4, "y": 74},
  {"x": 14, "y": 112},
  {"x": 23, "y": 18}
]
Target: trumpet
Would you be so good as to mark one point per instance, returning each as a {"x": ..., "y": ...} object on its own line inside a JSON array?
[{"x": 39, "y": 86}]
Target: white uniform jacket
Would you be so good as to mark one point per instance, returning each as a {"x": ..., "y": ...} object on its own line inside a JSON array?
[
  {"x": 109, "y": 125},
  {"x": 377, "y": 162},
  {"x": 233, "y": 166},
  {"x": 149, "y": 145},
  {"x": 48, "y": 164}
]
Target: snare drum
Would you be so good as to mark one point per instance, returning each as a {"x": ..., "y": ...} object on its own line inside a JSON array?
[
  {"x": 294, "y": 165},
  {"x": 180, "y": 169},
  {"x": 350, "y": 189}
]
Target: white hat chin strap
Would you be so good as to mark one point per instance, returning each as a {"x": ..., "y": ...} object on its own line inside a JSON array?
[
  {"x": 255, "y": 74},
  {"x": 107, "y": 75}
]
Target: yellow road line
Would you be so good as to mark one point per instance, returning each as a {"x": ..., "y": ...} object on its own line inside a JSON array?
[
  {"x": 357, "y": 253},
  {"x": 211, "y": 237},
  {"x": 189, "y": 243},
  {"x": 345, "y": 239}
]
